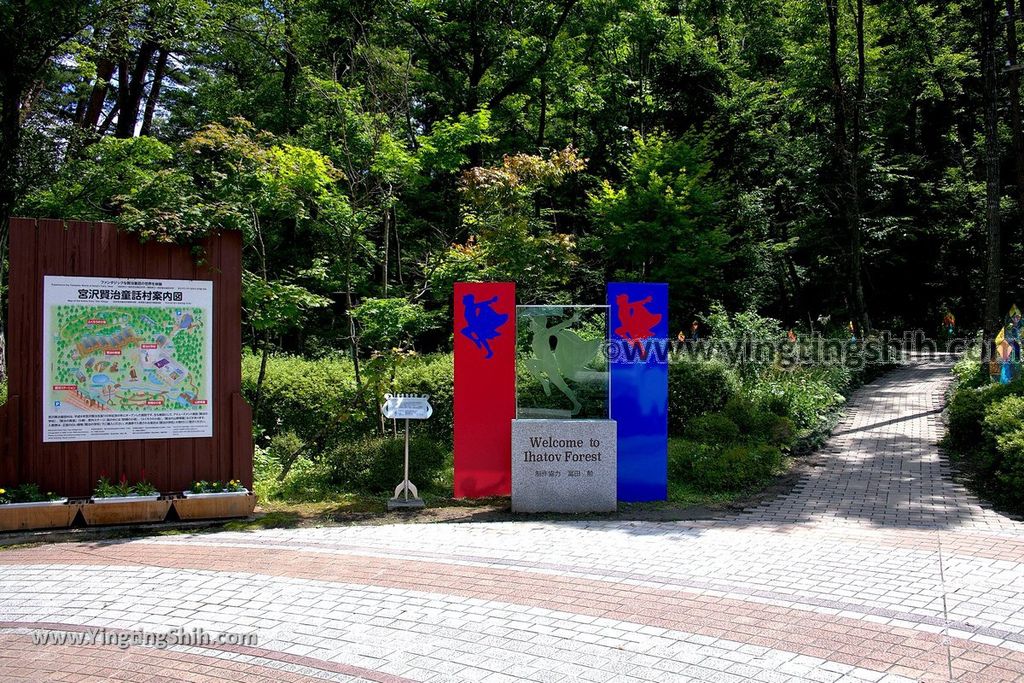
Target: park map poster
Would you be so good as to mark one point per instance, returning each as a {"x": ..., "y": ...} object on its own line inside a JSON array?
[{"x": 126, "y": 359}]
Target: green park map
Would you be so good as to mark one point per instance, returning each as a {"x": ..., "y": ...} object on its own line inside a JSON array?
[{"x": 127, "y": 359}]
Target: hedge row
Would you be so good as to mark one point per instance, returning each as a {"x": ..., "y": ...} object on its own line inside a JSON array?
[
  {"x": 731, "y": 432},
  {"x": 985, "y": 436}
]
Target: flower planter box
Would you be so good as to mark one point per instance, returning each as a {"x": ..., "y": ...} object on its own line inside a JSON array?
[
  {"x": 127, "y": 510},
  {"x": 216, "y": 494},
  {"x": 215, "y": 505},
  {"x": 53, "y": 514},
  {"x": 124, "y": 499}
]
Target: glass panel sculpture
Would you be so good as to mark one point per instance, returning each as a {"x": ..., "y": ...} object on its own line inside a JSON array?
[{"x": 561, "y": 365}]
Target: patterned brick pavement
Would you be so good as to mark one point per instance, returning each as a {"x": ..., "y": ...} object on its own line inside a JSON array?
[{"x": 877, "y": 567}]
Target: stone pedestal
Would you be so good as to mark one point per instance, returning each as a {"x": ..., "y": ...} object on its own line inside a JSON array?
[{"x": 564, "y": 466}]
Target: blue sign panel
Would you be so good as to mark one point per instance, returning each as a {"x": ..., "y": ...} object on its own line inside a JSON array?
[{"x": 638, "y": 354}]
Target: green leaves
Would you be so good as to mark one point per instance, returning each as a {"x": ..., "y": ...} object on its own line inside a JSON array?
[
  {"x": 444, "y": 148},
  {"x": 661, "y": 222},
  {"x": 276, "y": 306},
  {"x": 393, "y": 323}
]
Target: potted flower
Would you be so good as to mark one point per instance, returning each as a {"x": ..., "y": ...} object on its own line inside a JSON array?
[
  {"x": 212, "y": 489},
  {"x": 27, "y": 507},
  {"x": 107, "y": 492},
  {"x": 215, "y": 500},
  {"x": 124, "y": 502}
]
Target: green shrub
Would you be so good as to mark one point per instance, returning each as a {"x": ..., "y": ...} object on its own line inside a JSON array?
[
  {"x": 1010, "y": 474},
  {"x": 805, "y": 395},
  {"x": 748, "y": 417},
  {"x": 376, "y": 465},
  {"x": 986, "y": 437},
  {"x": 3, "y": 393},
  {"x": 714, "y": 429},
  {"x": 310, "y": 398},
  {"x": 780, "y": 431},
  {"x": 1003, "y": 416},
  {"x": 433, "y": 375},
  {"x": 964, "y": 416},
  {"x": 729, "y": 468},
  {"x": 999, "y": 453},
  {"x": 307, "y": 480},
  {"x": 682, "y": 454},
  {"x": 697, "y": 387},
  {"x": 317, "y": 399},
  {"x": 969, "y": 371}
]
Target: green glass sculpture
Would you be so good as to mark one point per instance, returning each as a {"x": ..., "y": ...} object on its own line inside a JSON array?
[{"x": 561, "y": 370}]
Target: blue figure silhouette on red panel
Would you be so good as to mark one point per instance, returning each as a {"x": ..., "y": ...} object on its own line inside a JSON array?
[
  {"x": 636, "y": 323},
  {"x": 482, "y": 322}
]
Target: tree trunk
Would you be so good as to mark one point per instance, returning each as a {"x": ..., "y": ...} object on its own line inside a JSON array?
[
  {"x": 291, "y": 72},
  {"x": 1014, "y": 106},
  {"x": 847, "y": 154},
  {"x": 387, "y": 248},
  {"x": 104, "y": 72},
  {"x": 264, "y": 357},
  {"x": 398, "y": 246},
  {"x": 542, "y": 122},
  {"x": 154, "y": 93},
  {"x": 991, "y": 104},
  {"x": 10, "y": 139},
  {"x": 131, "y": 87}
]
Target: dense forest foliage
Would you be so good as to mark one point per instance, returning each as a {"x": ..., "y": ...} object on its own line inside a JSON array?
[{"x": 820, "y": 161}]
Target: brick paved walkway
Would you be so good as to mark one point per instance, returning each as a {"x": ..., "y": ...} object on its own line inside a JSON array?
[{"x": 876, "y": 568}]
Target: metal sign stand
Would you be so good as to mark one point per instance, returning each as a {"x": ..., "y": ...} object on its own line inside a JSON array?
[
  {"x": 406, "y": 406},
  {"x": 407, "y": 487}
]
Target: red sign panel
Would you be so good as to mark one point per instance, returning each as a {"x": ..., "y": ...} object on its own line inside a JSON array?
[{"x": 485, "y": 387}]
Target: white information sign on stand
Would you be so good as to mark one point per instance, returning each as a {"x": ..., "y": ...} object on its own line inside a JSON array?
[{"x": 406, "y": 407}]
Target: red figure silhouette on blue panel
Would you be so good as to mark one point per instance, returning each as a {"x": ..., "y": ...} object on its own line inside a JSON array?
[
  {"x": 482, "y": 322},
  {"x": 636, "y": 323}
]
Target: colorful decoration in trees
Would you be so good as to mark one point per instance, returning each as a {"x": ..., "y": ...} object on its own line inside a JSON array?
[
  {"x": 1007, "y": 345},
  {"x": 949, "y": 324}
]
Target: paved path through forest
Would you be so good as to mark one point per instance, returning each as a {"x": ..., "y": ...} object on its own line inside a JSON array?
[{"x": 877, "y": 567}]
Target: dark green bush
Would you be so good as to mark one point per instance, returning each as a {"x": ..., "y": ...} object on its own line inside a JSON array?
[
  {"x": 375, "y": 465},
  {"x": 1010, "y": 474},
  {"x": 729, "y": 468},
  {"x": 780, "y": 431},
  {"x": 747, "y": 416},
  {"x": 970, "y": 371},
  {"x": 805, "y": 395},
  {"x": 967, "y": 411},
  {"x": 964, "y": 416},
  {"x": 433, "y": 375},
  {"x": 312, "y": 398},
  {"x": 697, "y": 387},
  {"x": 317, "y": 399},
  {"x": 985, "y": 437},
  {"x": 714, "y": 429}
]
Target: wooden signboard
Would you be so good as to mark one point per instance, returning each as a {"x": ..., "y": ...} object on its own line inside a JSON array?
[{"x": 143, "y": 359}]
